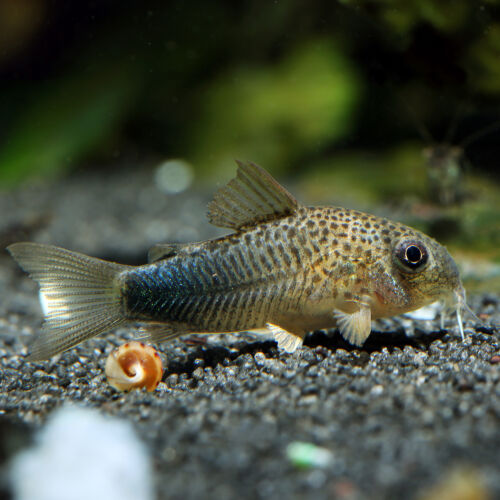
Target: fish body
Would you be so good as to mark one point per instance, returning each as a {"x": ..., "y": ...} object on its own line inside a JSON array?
[
  {"x": 294, "y": 270},
  {"x": 286, "y": 269}
]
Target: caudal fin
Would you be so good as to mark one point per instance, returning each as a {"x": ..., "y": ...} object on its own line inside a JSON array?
[{"x": 79, "y": 295}]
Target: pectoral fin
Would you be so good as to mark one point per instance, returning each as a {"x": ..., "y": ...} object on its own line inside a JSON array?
[
  {"x": 288, "y": 342},
  {"x": 355, "y": 327}
]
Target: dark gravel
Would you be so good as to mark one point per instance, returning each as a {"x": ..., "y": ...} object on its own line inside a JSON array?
[{"x": 396, "y": 415}]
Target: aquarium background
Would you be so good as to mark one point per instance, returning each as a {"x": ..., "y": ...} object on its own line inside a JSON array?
[
  {"x": 387, "y": 106},
  {"x": 118, "y": 122}
]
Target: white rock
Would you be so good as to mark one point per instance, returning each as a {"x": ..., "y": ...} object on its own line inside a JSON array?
[{"x": 82, "y": 454}]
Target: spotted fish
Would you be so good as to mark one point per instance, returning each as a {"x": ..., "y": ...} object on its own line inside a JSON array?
[{"x": 286, "y": 269}]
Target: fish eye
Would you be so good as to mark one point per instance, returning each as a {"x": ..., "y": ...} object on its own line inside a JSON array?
[{"x": 411, "y": 256}]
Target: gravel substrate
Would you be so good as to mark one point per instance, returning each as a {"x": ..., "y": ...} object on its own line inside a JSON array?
[{"x": 396, "y": 415}]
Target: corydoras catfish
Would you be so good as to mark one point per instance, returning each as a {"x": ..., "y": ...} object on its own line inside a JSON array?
[{"x": 286, "y": 269}]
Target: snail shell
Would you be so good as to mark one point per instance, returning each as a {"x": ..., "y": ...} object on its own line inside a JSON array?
[{"x": 134, "y": 365}]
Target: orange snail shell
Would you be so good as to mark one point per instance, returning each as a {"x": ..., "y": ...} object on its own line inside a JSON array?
[{"x": 134, "y": 365}]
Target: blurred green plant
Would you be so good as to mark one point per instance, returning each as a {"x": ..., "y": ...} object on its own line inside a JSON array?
[
  {"x": 64, "y": 120},
  {"x": 275, "y": 113},
  {"x": 402, "y": 17},
  {"x": 483, "y": 58},
  {"x": 363, "y": 179},
  {"x": 447, "y": 15},
  {"x": 263, "y": 81}
]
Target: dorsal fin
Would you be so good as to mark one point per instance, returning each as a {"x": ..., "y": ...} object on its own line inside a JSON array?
[
  {"x": 252, "y": 196},
  {"x": 164, "y": 250}
]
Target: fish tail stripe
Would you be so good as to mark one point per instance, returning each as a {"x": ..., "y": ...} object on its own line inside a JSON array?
[
  {"x": 243, "y": 256},
  {"x": 212, "y": 310},
  {"x": 272, "y": 255},
  {"x": 296, "y": 254},
  {"x": 193, "y": 309},
  {"x": 240, "y": 309},
  {"x": 177, "y": 305},
  {"x": 203, "y": 307},
  {"x": 221, "y": 314},
  {"x": 184, "y": 276},
  {"x": 303, "y": 289},
  {"x": 251, "y": 300},
  {"x": 290, "y": 287},
  {"x": 211, "y": 272},
  {"x": 252, "y": 261},
  {"x": 258, "y": 302},
  {"x": 159, "y": 303},
  {"x": 280, "y": 304},
  {"x": 242, "y": 262},
  {"x": 264, "y": 261},
  {"x": 223, "y": 311},
  {"x": 188, "y": 309},
  {"x": 231, "y": 273},
  {"x": 224, "y": 308},
  {"x": 196, "y": 277},
  {"x": 220, "y": 271},
  {"x": 201, "y": 271},
  {"x": 276, "y": 296},
  {"x": 237, "y": 267},
  {"x": 167, "y": 306}
]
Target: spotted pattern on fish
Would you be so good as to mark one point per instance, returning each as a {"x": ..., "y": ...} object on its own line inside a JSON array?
[
  {"x": 317, "y": 260},
  {"x": 285, "y": 269}
]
